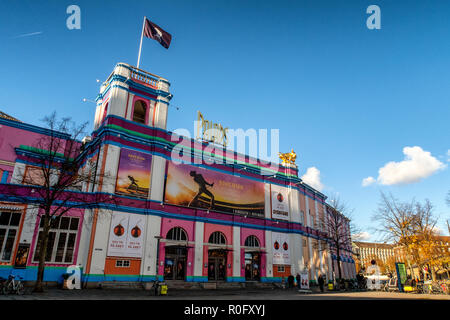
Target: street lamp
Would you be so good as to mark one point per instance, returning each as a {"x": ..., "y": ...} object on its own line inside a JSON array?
[{"x": 158, "y": 238}]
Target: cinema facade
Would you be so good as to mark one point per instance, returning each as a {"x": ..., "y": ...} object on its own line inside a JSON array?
[{"x": 238, "y": 220}]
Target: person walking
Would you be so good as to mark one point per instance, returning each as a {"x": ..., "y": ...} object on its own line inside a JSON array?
[
  {"x": 321, "y": 282},
  {"x": 291, "y": 281},
  {"x": 298, "y": 280}
]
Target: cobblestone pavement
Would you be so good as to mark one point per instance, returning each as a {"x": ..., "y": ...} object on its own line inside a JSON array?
[{"x": 242, "y": 294}]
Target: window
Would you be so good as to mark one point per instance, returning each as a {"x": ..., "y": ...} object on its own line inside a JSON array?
[
  {"x": 251, "y": 241},
  {"x": 139, "y": 112},
  {"x": 177, "y": 233},
  {"x": 123, "y": 263},
  {"x": 34, "y": 176},
  {"x": 61, "y": 240},
  {"x": 217, "y": 238},
  {"x": 9, "y": 228},
  {"x": 280, "y": 268}
]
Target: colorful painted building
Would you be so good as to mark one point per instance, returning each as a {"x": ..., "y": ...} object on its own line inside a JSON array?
[{"x": 189, "y": 210}]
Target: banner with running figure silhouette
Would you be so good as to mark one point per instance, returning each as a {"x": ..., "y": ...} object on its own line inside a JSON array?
[
  {"x": 196, "y": 187},
  {"x": 133, "y": 175}
]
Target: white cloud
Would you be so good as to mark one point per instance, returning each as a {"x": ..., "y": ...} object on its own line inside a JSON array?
[
  {"x": 312, "y": 177},
  {"x": 448, "y": 155},
  {"x": 417, "y": 165},
  {"x": 368, "y": 181},
  {"x": 361, "y": 236}
]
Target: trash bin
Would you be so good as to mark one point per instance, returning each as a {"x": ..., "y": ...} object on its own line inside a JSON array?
[{"x": 163, "y": 290}]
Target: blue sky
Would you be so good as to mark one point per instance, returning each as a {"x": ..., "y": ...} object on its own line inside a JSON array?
[{"x": 346, "y": 98}]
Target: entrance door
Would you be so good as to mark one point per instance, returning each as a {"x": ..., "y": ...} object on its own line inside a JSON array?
[
  {"x": 175, "y": 263},
  {"x": 217, "y": 260},
  {"x": 252, "y": 266}
]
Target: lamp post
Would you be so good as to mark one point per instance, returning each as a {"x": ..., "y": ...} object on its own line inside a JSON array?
[{"x": 158, "y": 238}]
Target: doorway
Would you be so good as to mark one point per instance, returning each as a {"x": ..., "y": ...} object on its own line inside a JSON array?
[
  {"x": 252, "y": 266},
  {"x": 217, "y": 262},
  {"x": 175, "y": 263}
]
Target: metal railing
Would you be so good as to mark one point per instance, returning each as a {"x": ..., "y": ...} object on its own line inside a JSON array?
[{"x": 145, "y": 77}]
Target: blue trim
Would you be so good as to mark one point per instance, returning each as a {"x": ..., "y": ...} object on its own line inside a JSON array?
[
  {"x": 5, "y": 175},
  {"x": 163, "y": 214}
]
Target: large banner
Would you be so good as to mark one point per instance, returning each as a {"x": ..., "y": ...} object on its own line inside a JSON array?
[
  {"x": 133, "y": 175},
  {"x": 192, "y": 186},
  {"x": 280, "y": 202},
  {"x": 280, "y": 248},
  {"x": 126, "y": 235}
]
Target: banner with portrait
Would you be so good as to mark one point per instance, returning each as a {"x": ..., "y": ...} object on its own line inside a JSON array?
[
  {"x": 304, "y": 280},
  {"x": 280, "y": 248},
  {"x": 133, "y": 175},
  {"x": 126, "y": 235},
  {"x": 280, "y": 202},
  {"x": 195, "y": 187}
]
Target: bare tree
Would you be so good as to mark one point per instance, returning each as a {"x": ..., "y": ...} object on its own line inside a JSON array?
[
  {"x": 410, "y": 225},
  {"x": 338, "y": 227},
  {"x": 58, "y": 177}
]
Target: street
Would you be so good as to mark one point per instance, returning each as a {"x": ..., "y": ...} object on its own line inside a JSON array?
[{"x": 255, "y": 294}]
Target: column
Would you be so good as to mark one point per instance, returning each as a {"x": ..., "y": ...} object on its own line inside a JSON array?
[
  {"x": 236, "y": 263},
  {"x": 198, "y": 255}
]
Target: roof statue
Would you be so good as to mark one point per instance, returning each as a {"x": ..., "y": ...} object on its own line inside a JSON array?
[{"x": 287, "y": 158}]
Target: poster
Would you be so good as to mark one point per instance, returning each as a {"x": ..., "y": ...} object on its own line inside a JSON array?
[
  {"x": 133, "y": 175},
  {"x": 280, "y": 202},
  {"x": 401, "y": 272},
  {"x": 195, "y": 187},
  {"x": 304, "y": 280},
  {"x": 126, "y": 235},
  {"x": 280, "y": 248},
  {"x": 22, "y": 256}
]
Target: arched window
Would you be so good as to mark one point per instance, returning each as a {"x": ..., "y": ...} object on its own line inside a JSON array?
[
  {"x": 217, "y": 238},
  {"x": 252, "y": 241},
  {"x": 177, "y": 233},
  {"x": 139, "y": 111}
]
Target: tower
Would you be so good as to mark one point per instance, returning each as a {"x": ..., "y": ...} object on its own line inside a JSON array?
[{"x": 135, "y": 95}]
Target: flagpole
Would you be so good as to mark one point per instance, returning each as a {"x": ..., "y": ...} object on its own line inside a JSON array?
[{"x": 140, "y": 45}]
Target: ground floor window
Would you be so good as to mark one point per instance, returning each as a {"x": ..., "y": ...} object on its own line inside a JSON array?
[
  {"x": 9, "y": 228},
  {"x": 252, "y": 266},
  {"x": 61, "y": 240}
]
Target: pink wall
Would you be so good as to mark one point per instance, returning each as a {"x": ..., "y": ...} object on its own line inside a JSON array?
[
  {"x": 189, "y": 227},
  {"x": 260, "y": 234},
  {"x": 11, "y": 138},
  {"x": 228, "y": 232}
]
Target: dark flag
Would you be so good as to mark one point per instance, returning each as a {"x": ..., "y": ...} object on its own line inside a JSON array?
[{"x": 154, "y": 32}]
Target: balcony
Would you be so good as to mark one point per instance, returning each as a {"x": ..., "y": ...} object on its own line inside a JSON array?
[{"x": 139, "y": 76}]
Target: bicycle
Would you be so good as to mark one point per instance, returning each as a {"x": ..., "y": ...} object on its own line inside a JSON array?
[
  {"x": 156, "y": 288},
  {"x": 13, "y": 286}
]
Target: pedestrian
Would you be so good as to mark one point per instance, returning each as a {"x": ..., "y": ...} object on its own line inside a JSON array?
[
  {"x": 290, "y": 281},
  {"x": 321, "y": 282},
  {"x": 298, "y": 280}
]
